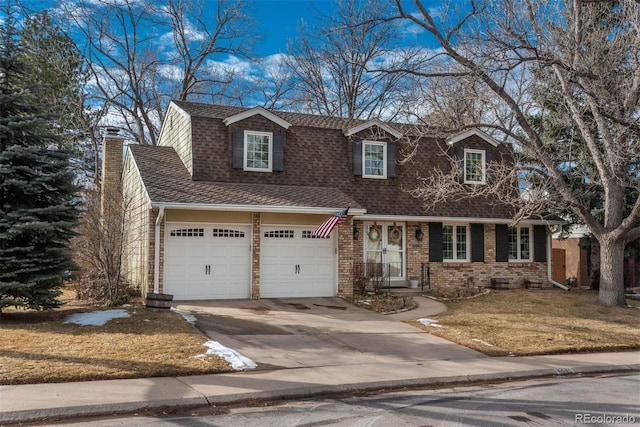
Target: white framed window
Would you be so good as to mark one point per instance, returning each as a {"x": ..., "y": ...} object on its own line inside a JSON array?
[
  {"x": 374, "y": 159},
  {"x": 455, "y": 242},
  {"x": 520, "y": 242},
  {"x": 258, "y": 151},
  {"x": 474, "y": 166}
]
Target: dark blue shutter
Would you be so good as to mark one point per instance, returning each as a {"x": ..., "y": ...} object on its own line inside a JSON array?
[
  {"x": 477, "y": 242},
  {"x": 435, "y": 241},
  {"x": 237, "y": 140},
  {"x": 278, "y": 152},
  {"x": 539, "y": 243},
  {"x": 502, "y": 243},
  {"x": 391, "y": 160},
  {"x": 357, "y": 158}
]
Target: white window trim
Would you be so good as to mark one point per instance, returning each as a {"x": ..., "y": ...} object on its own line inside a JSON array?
[
  {"x": 484, "y": 166},
  {"x": 468, "y": 239},
  {"x": 519, "y": 257},
  {"x": 244, "y": 160},
  {"x": 384, "y": 159}
]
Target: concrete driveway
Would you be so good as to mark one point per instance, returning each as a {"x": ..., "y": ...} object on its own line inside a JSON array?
[{"x": 315, "y": 332}]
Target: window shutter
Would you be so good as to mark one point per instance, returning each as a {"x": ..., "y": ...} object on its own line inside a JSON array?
[
  {"x": 539, "y": 243},
  {"x": 357, "y": 158},
  {"x": 459, "y": 158},
  {"x": 502, "y": 243},
  {"x": 391, "y": 160},
  {"x": 477, "y": 242},
  {"x": 278, "y": 152},
  {"x": 489, "y": 156},
  {"x": 435, "y": 241},
  {"x": 237, "y": 141}
]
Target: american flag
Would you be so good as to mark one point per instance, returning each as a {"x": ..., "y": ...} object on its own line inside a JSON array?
[{"x": 324, "y": 229}]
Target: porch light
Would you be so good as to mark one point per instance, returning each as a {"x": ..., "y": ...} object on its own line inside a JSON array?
[
  {"x": 356, "y": 233},
  {"x": 419, "y": 234}
]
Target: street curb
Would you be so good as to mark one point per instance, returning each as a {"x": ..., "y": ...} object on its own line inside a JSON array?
[
  {"x": 300, "y": 392},
  {"x": 96, "y": 410}
]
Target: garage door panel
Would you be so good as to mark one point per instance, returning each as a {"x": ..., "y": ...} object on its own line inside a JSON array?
[
  {"x": 207, "y": 261},
  {"x": 175, "y": 250},
  {"x": 295, "y": 265}
]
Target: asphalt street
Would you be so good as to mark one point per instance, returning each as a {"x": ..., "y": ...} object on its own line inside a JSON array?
[{"x": 600, "y": 400}]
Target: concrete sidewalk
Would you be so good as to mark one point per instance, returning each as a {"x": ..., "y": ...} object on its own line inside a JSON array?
[{"x": 23, "y": 403}]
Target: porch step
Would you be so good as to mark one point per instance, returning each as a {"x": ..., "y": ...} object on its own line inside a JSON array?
[{"x": 405, "y": 291}]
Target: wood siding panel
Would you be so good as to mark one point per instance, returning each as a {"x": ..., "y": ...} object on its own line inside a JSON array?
[{"x": 176, "y": 133}]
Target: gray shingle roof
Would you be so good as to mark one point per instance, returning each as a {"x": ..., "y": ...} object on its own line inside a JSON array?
[
  {"x": 168, "y": 181},
  {"x": 297, "y": 119}
]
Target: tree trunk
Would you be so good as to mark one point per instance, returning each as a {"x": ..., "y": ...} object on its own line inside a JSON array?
[{"x": 611, "y": 272}]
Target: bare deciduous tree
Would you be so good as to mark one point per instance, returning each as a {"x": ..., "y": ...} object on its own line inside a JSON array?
[
  {"x": 577, "y": 60},
  {"x": 99, "y": 247},
  {"x": 330, "y": 63},
  {"x": 142, "y": 54}
]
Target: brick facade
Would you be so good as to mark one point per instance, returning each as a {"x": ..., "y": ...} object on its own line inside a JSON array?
[
  {"x": 111, "y": 170},
  {"x": 345, "y": 258},
  {"x": 458, "y": 274},
  {"x": 255, "y": 256}
]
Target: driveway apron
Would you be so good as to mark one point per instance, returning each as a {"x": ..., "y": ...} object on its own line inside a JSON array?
[{"x": 315, "y": 332}]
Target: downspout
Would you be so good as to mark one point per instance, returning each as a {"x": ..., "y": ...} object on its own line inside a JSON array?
[
  {"x": 549, "y": 264},
  {"x": 156, "y": 257}
]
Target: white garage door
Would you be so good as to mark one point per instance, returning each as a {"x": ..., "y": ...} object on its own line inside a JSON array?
[
  {"x": 207, "y": 261},
  {"x": 296, "y": 264}
]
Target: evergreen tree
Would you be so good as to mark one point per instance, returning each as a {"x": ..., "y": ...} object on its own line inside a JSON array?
[
  {"x": 38, "y": 208},
  {"x": 58, "y": 68}
]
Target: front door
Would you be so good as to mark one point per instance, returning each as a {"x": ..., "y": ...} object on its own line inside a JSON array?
[{"x": 384, "y": 243}]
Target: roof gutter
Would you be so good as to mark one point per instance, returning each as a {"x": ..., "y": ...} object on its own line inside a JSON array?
[
  {"x": 452, "y": 219},
  {"x": 156, "y": 256},
  {"x": 256, "y": 208}
]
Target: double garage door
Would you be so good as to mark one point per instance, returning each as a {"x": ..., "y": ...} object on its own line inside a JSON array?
[{"x": 213, "y": 261}]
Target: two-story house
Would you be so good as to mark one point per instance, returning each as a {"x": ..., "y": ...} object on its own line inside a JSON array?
[{"x": 225, "y": 206}]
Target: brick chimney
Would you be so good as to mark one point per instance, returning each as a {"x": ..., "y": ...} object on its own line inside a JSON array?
[{"x": 111, "y": 190}]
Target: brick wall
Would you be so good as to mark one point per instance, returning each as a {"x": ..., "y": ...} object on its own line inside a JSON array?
[
  {"x": 345, "y": 258},
  {"x": 455, "y": 274},
  {"x": 417, "y": 251},
  {"x": 445, "y": 274},
  {"x": 255, "y": 256},
  {"x": 152, "y": 237},
  {"x": 111, "y": 169}
]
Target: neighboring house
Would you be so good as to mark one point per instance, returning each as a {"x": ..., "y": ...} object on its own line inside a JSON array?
[
  {"x": 224, "y": 207},
  {"x": 576, "y": 259},
  {"x": 571, "y": 257}
]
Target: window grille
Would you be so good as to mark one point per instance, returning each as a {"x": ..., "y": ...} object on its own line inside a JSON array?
[{"x": 280, "y": 234}]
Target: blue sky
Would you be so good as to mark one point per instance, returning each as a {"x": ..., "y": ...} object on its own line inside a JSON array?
[{"x": 279, "y": 20}]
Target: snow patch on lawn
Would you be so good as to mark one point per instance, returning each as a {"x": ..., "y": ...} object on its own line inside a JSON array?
[
  {"x": 186, "y": 314},
  {"x": 482, "y": 342},
  {"x": 430, "y": 322},
  {"x": 96, "y": 318},
  {"x": 238, "y": 361}
]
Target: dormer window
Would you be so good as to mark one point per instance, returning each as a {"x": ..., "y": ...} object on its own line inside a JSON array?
[
  {"x": 474, "y": 166},
  {"x": 374, "y": 155},
  {"x": 258, "y": 151}
]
